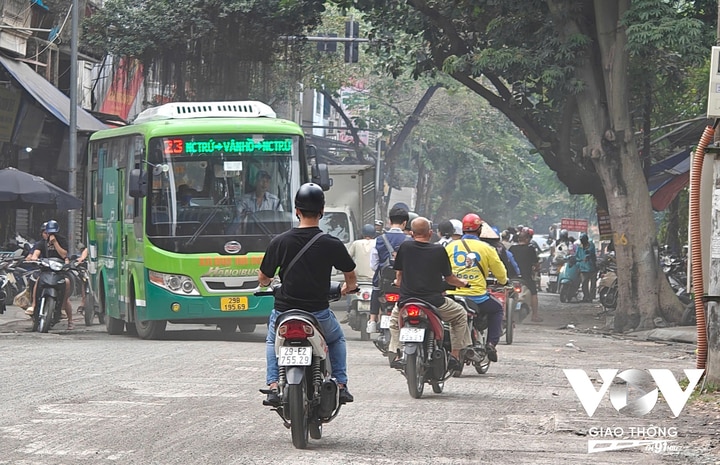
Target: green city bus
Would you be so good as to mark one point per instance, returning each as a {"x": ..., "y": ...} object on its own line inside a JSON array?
[{"x": 181, "y": 206}]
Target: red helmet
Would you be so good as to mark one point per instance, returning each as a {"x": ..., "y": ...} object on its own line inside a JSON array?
[
  {"x": 471, "y": 222},
  {"x": 530, "y": 231}
]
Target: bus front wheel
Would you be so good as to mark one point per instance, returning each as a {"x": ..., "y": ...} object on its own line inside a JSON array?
[{"x": 150, "y": 329}]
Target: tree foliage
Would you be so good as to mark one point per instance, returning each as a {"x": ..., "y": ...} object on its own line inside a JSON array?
[{"x": 208, "y": 49}]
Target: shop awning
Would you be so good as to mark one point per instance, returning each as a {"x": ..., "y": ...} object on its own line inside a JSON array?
[
  {"x": 49, "y": 96},
  {"x": 667, "y": 178}
]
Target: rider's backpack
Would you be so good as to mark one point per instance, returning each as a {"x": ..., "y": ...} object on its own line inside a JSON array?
[{"x": 386, "y": 270}]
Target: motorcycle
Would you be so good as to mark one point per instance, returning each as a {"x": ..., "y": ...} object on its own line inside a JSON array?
[
  {"x": 515, "y": 305},
  {"x": 360, "y": 310},
  {"x": 90, "y": 307},
  {"x": 426, "y": 344},
  {"x": 50, "y": 293},
  {"x": 569, "y": 280},
  {"x": 554, "y": 273},
  {"x": 388, "y": 300},
  {"x": 607, "y": 285},
  {"x": 310, "y": 396}
]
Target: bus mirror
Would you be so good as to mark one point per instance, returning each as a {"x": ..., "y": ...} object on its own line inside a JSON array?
[
  {"x": 137, "y": 183},
  {"x": 311, "y": 152},
  {"x": 321, "y": 176}
]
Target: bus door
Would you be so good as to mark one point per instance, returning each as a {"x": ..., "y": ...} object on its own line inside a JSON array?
[{"x": 111, "y": 250}]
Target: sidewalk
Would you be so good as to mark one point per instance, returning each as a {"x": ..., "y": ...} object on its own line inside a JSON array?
[{"x": 583, "y": 317}]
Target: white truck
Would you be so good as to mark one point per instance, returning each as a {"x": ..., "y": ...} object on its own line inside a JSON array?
[{"x": 350, "y": 202}]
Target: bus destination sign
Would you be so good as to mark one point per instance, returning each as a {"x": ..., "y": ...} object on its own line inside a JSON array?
[{"x": 180, "y": 146}]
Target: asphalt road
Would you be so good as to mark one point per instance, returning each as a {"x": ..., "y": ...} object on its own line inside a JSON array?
[{"x": 82, "y": 396}]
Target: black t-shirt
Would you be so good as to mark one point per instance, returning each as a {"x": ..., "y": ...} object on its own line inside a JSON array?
[
  {"x": 306, "y": 286},
  {"x": 526, "y": 258},
  {"x": 49, "y": 251},
  {"x": 423, "y": 266}
]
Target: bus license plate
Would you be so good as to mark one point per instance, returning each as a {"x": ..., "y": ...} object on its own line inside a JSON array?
[
  {"x": 233, "y": 304},
  {"x": 385, "y": 321},
  {"x": 412, "y": 334},
  {"x": 295, "y": 356}
]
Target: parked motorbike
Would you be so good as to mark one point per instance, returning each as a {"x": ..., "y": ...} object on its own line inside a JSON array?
[
  {"x": 310, "y": 396},
  {"x": 569, "y": 280},
  {"x": 91, "y": 306},
  {"x": 607, "y": 285},
  {"x": 426, "y": 344},
  {"x": 388, "y": 300},
  {"x": 360, "y": 310},
  {"x": 50, "y": 293}
]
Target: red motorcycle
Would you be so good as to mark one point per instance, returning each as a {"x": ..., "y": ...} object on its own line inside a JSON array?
[{"x": 426, "y": 344}]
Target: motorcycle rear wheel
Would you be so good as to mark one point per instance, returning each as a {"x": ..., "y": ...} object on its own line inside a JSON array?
[
  {"x": 88, "y": 314},
  {"x": 296, "y": 398},
  {"x": 564, "y": 291},
  {"x": 45, "y": 315},
  {"x": 415, "y": 375},
  {"x": 362, "y": 321},
  {"x": 509, "y": 321}
]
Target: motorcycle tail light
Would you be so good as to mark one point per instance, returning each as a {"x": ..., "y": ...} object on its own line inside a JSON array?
[
  {"x": 392, "y": 297},
  {"x": 517, "y": 287},
  {"x": 413, "y": 311},
  {"x": 366, "y": 295},
  {"x": 295, "y": 330}
]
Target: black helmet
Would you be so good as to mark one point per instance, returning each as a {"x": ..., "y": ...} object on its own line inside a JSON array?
[
  {"x": 411, "y": 217},
  {"x": 310, "y": 198}
]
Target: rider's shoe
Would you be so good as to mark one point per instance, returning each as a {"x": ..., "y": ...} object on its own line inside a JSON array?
[
  {"x": 453, "y": 364},
  {"x": 273, "y": 397},
  {"x": 371, "y": 327},
  {"x": 345, "y": 396},
  {"x": 397, "y": 361},
  {"x": 491, "y": 352}
]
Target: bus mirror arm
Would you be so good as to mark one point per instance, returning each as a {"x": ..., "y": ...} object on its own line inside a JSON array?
[{"x": 137, "y": 183}]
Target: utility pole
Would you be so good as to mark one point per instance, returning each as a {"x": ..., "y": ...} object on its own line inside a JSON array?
[{"x": 72, "y": 138}]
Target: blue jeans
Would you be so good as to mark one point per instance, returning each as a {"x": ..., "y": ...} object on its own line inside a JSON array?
[
  {"x": 494, "y": 310},
  {"x": 334, "y": 338}
]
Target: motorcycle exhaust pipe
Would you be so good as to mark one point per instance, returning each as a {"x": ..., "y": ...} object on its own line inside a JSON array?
[{"x": 329, "y": 399}]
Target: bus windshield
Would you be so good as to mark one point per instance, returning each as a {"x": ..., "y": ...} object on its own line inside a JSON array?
[{"x": 204, "y": 191}]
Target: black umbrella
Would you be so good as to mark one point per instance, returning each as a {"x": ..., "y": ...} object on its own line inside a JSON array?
[{"x": 22, "y": 190}]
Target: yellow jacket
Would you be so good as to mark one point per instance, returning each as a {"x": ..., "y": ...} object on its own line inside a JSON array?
[{"x": 465, "y": 265}]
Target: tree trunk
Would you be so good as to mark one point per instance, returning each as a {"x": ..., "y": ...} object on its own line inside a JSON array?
[
  {"x": 446, "y": 191},
  {"x": 644, "y": 293},
  {"x": 348, "y": 122}
]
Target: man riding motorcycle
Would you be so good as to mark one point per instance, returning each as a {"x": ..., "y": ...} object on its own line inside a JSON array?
[
  {"x": 306, "y": 285},
  {"x": 472, "y": 259},
  {"x": 420, "y": 267}
]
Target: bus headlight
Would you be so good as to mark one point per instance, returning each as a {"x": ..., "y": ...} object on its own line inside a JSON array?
[{"x": 175, "y": 283}]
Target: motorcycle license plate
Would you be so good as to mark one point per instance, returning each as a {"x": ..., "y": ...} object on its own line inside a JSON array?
[
  {"x": 412, "y": 334},
  {"x": 233, "y": 304},
  {"x": 295, "y": 356},
  {"x": 552, "y": 278},
  {"x": 364, "y": 306},
  {"x": 385, "y": 321}
]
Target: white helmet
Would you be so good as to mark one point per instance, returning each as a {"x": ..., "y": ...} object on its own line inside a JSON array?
[{"x": 457, "y": 227}]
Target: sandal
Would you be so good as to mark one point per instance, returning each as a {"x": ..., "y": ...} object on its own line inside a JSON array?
[{"x": 70, "y": 326}]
